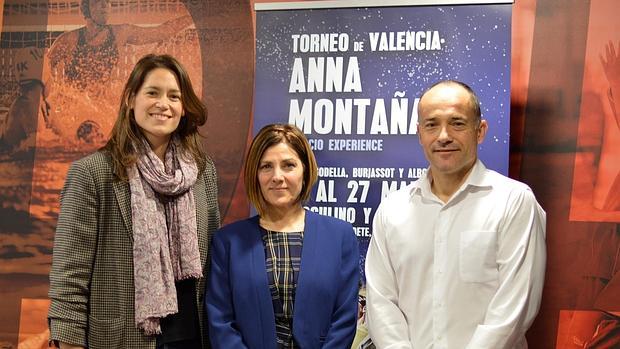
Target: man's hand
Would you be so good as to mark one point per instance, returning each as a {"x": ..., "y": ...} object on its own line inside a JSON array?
[{"x": 611, "y": 66}]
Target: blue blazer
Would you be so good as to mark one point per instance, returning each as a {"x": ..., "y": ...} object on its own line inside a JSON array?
[{"x": 238, "y": 302}]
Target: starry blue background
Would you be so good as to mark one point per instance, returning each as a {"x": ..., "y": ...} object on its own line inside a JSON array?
[{"x": 476, "y": 51}]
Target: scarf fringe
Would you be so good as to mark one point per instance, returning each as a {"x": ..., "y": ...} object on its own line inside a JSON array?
[
  {"x": 193, "y": 275},
  {"x": 150, "y": 326}
]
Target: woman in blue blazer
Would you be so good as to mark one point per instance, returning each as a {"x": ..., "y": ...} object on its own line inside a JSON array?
[{"x": 286, "y": 278}]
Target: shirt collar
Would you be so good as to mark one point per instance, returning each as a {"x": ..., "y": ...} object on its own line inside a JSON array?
[{"x": 476, "y": 178}]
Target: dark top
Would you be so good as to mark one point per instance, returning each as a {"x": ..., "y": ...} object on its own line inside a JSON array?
[
  {"x": 184, "y": 324},
  {"x": 283, "y": 260}
]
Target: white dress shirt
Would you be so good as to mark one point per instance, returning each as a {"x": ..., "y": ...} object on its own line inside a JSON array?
[{"x": 463, "y": 274}]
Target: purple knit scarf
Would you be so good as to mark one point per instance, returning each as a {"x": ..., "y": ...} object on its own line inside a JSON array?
[{"x": 165, "y": 242}]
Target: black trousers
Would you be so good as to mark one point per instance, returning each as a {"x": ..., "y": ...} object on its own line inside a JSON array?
[{"x": 186, "y": 344}]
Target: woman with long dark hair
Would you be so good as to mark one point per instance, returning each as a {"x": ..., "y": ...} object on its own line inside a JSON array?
[{"x": 130, "y": 251}]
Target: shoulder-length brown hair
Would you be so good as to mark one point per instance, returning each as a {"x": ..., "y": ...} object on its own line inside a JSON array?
[
  {"x": 267, "y": 137},
  {"x": 126, "y": 131}
]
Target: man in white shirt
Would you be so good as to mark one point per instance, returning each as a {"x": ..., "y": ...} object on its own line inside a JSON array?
[{"x": 457, "y": 259}]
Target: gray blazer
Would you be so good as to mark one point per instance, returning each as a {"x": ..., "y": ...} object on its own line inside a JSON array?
[{"x": 91, "y": 281}]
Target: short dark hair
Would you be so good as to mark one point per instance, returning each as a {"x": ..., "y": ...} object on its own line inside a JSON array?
[
  {"x": 473, "y": 98},
  {"x": 126, "y": 131},
  {"x": 266, "y": 138}
]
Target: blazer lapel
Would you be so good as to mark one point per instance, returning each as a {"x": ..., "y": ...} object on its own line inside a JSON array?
[
  {"x": 123, "y": 198},
  {"x": 200, "y": 200},
  {"x": 309, "y": 255},
  {"x": 263, "y": 296}
]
